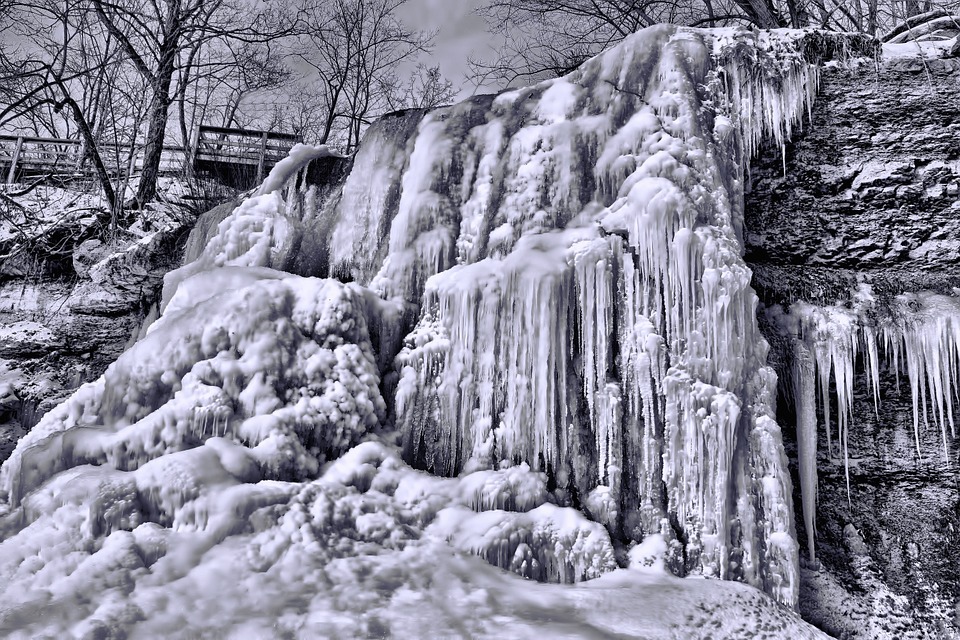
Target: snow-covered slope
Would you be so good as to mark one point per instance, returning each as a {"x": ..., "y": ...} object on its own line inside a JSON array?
[{"x": 582, "y": 372}]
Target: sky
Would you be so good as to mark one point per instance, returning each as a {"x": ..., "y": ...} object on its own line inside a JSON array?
[{"x": 460, "y": 32}]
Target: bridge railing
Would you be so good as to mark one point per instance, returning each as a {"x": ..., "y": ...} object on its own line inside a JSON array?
[
  {"x": 252, "y": 148},
  {"x": 244, "y": 154}
]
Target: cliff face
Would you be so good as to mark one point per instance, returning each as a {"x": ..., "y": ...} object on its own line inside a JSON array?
[
  {"x": 870, "y": 189},
  {"x": 855, "y": 253}
]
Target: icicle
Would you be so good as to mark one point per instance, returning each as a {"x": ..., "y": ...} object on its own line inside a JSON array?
[
  {"x": 873, "y": 366},
  {"x": 805, "y": 395}
]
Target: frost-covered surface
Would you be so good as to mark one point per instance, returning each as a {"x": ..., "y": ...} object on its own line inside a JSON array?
[
  {"x": 917, "y": 50},
  {"x": 585, "y": 372},
  {"x": 44, "y": 208},
  {"x": 584, "y": 306},
  {"x": 344, "y": 556}
]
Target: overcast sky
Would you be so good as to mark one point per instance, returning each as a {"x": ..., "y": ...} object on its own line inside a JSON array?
[{"x": 460, "y": 32}]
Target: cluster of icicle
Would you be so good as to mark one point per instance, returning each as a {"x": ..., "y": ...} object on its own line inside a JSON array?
[
  {"x": 573, "y": 251},
  {"x": 915, "y": 333}
]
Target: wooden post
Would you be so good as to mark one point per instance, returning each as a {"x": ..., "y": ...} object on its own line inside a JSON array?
[
  {"x": 13, "y": 161},
  {"x": 132, "y": 162},
  {"x": 190, "y": 153},
  {"x": 81, "y": 155},
  {"x": 261, "y": 163}
]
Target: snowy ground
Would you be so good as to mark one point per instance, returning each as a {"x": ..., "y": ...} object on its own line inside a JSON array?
[
  {"x": 353, "y": 554},
  {"x": 45, "y": 207}
]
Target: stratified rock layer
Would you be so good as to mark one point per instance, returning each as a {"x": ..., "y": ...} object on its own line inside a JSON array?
[
  {"x": 872, "y": 188},
  {"x": 863, "y": 231}
]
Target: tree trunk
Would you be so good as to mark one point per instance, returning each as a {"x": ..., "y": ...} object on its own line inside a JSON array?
[
  {"x": 157, "y": 128},
  {"x": 91, "y": 144},
  {"x": 799, "y": 17},
  {"x": 761, "y": 13},
  {"x": 872, "y": 17}
]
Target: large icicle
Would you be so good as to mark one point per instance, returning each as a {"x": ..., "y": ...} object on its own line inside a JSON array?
[{"x": 805, "y": 398}]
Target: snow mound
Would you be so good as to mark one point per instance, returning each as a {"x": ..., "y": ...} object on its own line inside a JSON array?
[{"x": 283, "y": 366}]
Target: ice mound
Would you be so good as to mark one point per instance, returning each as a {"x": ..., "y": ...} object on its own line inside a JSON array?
[
  {"x": 359, "y": 552},
  {"x": 277, "y": 369}
]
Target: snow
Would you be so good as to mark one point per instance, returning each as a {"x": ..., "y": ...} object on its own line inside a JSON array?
[
  {"x": 27, "y": 336},
  {"x": 583, "y": 333},
  {"x": 45, "y": 208},
  {"x": 297, "y": 159},
  {"x": 337, "y": 557}
]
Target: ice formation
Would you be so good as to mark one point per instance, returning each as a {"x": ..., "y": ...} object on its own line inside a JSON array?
[
  {"x": 916, "y": 334},
  {"x": 581, "y": 369},
  {"x": 584, "y": 306}
]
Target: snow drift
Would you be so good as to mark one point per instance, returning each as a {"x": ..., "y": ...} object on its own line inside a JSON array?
[{"x": 549, "y": 318}]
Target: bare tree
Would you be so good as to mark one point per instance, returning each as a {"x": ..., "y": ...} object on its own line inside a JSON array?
[
  {"x": 302, "y": 113},
  {"x": 156, "y": 36},
  {"x": 54, "y": 78},
  {"x": 354, "y": 49},
  {"x": 426, "y": 88},
  {"x": 546, "y": 38}
]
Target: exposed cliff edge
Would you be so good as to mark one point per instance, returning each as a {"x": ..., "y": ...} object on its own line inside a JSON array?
[
  {"x": 854, "y": 251},
  {"x": 549, "y": 318}
]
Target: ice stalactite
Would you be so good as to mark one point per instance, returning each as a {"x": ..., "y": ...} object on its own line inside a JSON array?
[
  {"x": 584, "y": 305},
  {"x": 805, "y": 397},
  {"x": 916, "y": 334}
]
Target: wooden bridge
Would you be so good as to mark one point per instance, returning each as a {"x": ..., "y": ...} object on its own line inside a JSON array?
[{"x": 237, "y": 157}]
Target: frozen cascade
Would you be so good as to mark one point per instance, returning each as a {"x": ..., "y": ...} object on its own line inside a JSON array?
[
  {"x": 370, "y": 192},
  {"x": 913, "y": 333},
  {"x": 584, "y": 306}
]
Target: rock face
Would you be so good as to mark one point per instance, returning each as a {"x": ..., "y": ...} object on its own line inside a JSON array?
[
  {"x": 869, "y": 202},
  {"x": 871, "y": 187},
  {"x": 61, "y": 327}
]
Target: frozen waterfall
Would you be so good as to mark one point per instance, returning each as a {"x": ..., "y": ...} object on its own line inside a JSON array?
[{"x": 547, "y": 354}]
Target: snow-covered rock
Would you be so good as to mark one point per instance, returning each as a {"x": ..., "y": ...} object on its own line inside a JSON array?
[{"x": 27, "y": 337}]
